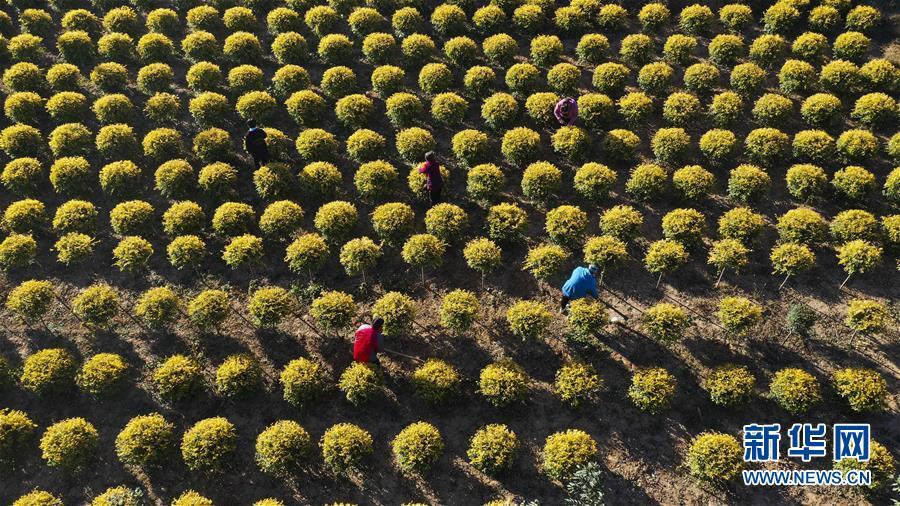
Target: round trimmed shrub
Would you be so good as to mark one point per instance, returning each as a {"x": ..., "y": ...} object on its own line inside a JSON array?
[
  {"x": 360, "y": 383},
  {"x": 730, "y": 385},
  {"x": 417, "y": 48},
  {"x": 564, "y": 453},
  {"x": 132, "y": 254},
  {"x": 96, "y": 305},
  {"x": 449, "y": 108},
  {"x": 850, "y": 46},
  {"x": 503, "y": 383},
  {"x": 269, "y": 305},
  {"x": 238, "y": 376},
  {"x": 652, "y": 389},
  {"x": 714, "y": 457},
  {"x": 48, "y": 371},
  {"x": 435, "y": 78},
  {"x": 209, "y": 445},
  {"x": 840, "y": 77},
  {"x": 103, "y": 374},
  {"x": 417, "y": 447},
  {"x": 666, "y": 322},
  {"x": 499, "y": 110},
  {"x": 795, "y": 390},
  {"x": 864, "y": 390},
  {"x": 209, "y": 309},
  {"x": 16, "y": 435},
  {"x": 739, "y": 315},
  {"x": 577, "y": 384},
  {"x": 693, "y": 182},
  {"x": 820, "y": 109},
  {"x": 282, "y": 448},
  {"x": 21, "y": 175},
  {"x": 242, "y": 47},
  {"x": 20, "y": 140},
  {"x": 493, "y": 449},
  {"x": 459, "y": 310},
  {"x": 814, "y": 145},
  {"x": 622, "y": 222},
  {"x": 71, "y": 139},
  {"x": 31, "y": 299},
  {"x": 303, "y": 381},
  {"x": 25, "y": 216},
  {"x": 70, "y": 444},
  {"x": 522, "y": 78},
  {"x": 413, "y": 143},
  {"x": 528, "y": 319},
  {"x": 541, "y": 181},
  {"x": 853, "y": 182},
  {"x": 345, "y": 446},
  {"x": 647, "y": 181}
]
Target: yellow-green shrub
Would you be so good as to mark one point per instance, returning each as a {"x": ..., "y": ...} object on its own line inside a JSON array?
[
  {"x": 652, "y": 389},
  {"x": 714, "y": 457},
  {"x": 209, "y": 445},
  {"x": 178, "y": 378},
  {"x": 70, "y": 444},
  {"x": 566, "y": 452},
  {"x": 503, "y": 383}
]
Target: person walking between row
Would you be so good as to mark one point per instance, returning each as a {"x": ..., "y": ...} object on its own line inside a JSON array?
[
  {"x": 566, "y": 111},
  {"x": 368, "y": 342},
  {"x": 434, "y": 182},
  {"x": 582, "y": 283},
  {"x": 255, "y": 144}
]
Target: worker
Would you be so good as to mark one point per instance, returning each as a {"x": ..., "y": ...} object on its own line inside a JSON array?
[
  {"x": 255, "y": 144},
  {"x": 582, "y": 283},
  {"x": 434, "y": 182},
  {"x": 368, "y": 342},
  {"x": 566, "y": 111}
]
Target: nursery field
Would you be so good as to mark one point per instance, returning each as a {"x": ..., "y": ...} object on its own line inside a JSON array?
[{"x": 177, "y": 324}]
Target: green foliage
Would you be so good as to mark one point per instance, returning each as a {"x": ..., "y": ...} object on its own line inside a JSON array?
[
  {"x": 730, "y": 385},
  {"x": 666, "y": 322},
  {"x": 360, "y": 383},
  {"x": 70, "y": 444},
  {"x": 282, "y": 448},
  {"x": 528, "y": 319},
  {"x": 31, "y": 299},
  {"x": 493, "y": 449},
  {"x": 544, "y": 261},
  {"x": 436, "y": 381},
  {"x": 714, "y": 457},
  {"x": 209, "y": 445},
  {"x": 622, "y": 222},
  {"x": 178, "y": 378},
  {"x": 686, "y": 226},
  {"x": 49, "y": 370},
  {"x": 652, "y": 389},
  {"x": 503, "y": 383},
  {"x": 345, "y": 446},
  {"x": 103, "y": 374},
  {"x": 747, "y": 182},
  {"x": 238, "y": 376},
  {"x": 269, "y": 305},
  {"x": 303, "y": 381},
  {"x": 853, "y": 182},
  {"x": 795, "y": 390},
  {"x": 647, "y": 181},
  {"x": 863, "y": 389},
  {"x": 566, "y": 452},
  {"x": 577, "y": 384},
  {"x": 693, "y": 182},
  {"x": 803, "y": 226},
  {"x": 16, "y": 435},
  {"x": 417, "y": 447},
  {"x": 866, "y": 316}
]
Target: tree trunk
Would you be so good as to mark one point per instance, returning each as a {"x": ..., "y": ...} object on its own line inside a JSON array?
[
  {"x": 482, "y": 281},
  {"x": 788, "y": 336},
  {"x": 659, "y": 280},
  {"x": 602, "y": 272},
  {"x": 845, "y": 281},
  {"x": 719, "y": 279},
  {"x": 423, "y": 276},
  {"x": 783, "y": 282},
  {"x": 364, "y": 276}
]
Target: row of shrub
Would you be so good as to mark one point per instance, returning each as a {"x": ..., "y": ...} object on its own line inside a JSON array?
[
  {"x": 285, "y": 447},
  {"x": 180, "y": 377}
]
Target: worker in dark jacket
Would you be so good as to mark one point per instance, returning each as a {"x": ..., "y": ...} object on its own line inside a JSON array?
[
  {"x": 566, "y": 111},
  {"x": 255, "y": 144},
  {"x": 368, "y": 342},
  {"x": 434, "y": 182},
  {"x": 582, "y": 283}
]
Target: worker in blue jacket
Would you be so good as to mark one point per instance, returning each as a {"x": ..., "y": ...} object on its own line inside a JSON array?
[{"x": 582, "y": 283}]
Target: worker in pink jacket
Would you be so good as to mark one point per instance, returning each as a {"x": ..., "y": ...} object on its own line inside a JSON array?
[{"x": 566, "y": 111}]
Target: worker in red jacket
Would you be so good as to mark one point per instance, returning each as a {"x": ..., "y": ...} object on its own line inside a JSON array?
[
  {"x": 434, "y": 182},
  {"x": 566, "y": 111},
  {"x": 368, "y": 342}
]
